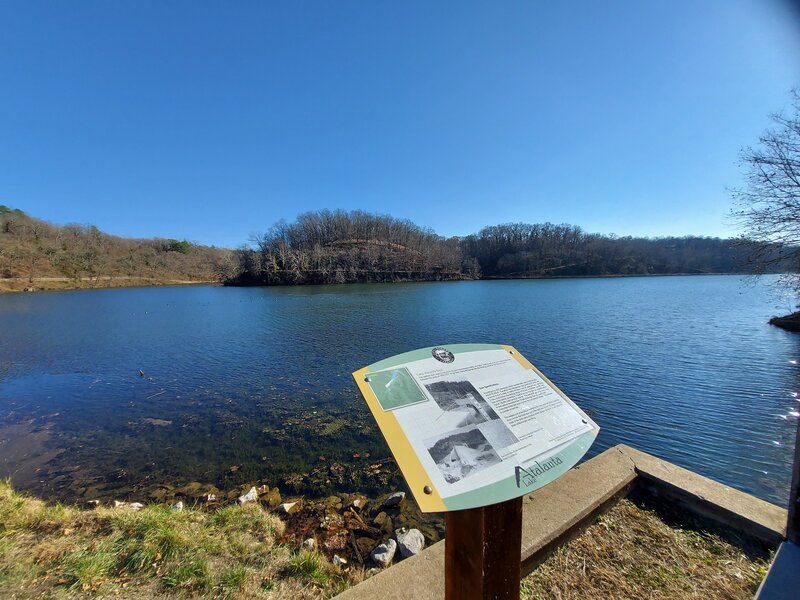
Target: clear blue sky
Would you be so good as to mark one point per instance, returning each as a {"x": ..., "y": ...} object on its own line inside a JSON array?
[{"x": 211, "y": 120}]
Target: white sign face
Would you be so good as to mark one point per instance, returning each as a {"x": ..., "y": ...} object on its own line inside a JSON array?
[{"x": 473, "y": 424}]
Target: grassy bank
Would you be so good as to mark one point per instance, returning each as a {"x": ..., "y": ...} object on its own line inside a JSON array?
[{"x": 64, "y": 552}]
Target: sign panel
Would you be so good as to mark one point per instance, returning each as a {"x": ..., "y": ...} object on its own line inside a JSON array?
[{"x": 473, "y": 424}]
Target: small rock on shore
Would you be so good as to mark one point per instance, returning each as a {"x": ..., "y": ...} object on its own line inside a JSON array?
[
  {"x": 395, "y": 499},
  {"x": 250, "y": 496},
  {"x": 384, "y": 553},
  {"x": 410, "y": 542}
]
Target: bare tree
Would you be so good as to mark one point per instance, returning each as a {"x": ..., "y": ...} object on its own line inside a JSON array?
[{"x": 768, "y": 206}]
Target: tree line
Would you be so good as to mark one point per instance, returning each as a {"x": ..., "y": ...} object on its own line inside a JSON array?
[
  {"x": 340, "y": 247},
  {"x": 336, "y": 246},
  {"x": 541, "y": 250},
  {"x": 31, "y": 249}
]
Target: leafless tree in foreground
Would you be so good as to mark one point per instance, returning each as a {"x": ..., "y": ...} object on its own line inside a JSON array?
[{"x": 768, "y": 206}]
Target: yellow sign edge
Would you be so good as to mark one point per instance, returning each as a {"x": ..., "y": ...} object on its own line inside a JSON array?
[{"x": 414, "y": 472}]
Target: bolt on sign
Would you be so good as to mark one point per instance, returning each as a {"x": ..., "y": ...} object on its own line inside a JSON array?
[{"x": 472, "y": 425}]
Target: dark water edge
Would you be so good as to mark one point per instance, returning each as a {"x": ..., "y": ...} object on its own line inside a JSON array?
[{"x": 252, "y": 385}]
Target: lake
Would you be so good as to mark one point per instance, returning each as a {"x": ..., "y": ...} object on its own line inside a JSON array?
[{"x": 253, "y": 384}]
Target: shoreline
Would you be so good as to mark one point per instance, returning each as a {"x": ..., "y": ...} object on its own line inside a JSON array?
[
  {"x": 13, "y": 285},
  {"x": 341, "y": 530},
  {"x": 64, "y": 284}
]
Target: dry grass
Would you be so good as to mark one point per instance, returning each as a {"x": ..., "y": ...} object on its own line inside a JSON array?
[
  {"x": 49, "y": 551},
  {"x": 629, "y": 552}
]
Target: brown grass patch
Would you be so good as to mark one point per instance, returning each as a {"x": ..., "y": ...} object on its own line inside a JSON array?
[{"x": 630, "y": 552}]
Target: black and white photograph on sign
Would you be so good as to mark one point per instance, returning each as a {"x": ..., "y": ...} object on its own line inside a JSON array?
[
  {"x": 462, "y": 399},
  {"x": 459, "y": 454},
  {"x": 464, "y": 406},
  {"x": 498, "y": 434}
]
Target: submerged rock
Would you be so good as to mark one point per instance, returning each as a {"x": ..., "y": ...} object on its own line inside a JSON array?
[
  {"x": 195, "y": 488},
  {"x": 384, "y": 553},
  {"x": 250, "y": 496},
  {"x": 334, "y": 502},
  {"x": 358, "y": 502},
  {"x": 410, "y": 542}
]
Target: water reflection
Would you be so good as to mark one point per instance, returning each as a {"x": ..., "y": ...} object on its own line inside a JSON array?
[{"x": 259, "y": 379}]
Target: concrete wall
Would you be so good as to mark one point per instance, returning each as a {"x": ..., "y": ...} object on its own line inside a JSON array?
[{"x": 557, "y": 512}]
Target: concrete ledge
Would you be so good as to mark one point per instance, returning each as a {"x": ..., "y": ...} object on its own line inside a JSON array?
[
  {"x": 559, "y": 511},
  {"x": 550, "y": 515},
  {"x": 554, "y": 514},
  {"x": 708, "y": 499}
]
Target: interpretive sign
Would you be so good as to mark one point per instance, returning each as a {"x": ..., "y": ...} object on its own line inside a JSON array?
[{"x": 473, "y": 424}]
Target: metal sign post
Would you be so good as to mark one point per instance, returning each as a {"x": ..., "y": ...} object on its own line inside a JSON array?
[{"x": 473, "y": 428}]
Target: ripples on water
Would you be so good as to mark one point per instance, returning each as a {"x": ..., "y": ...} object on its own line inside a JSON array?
[{"x": 683, "y": 367}]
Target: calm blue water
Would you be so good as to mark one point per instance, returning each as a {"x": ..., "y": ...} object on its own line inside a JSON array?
[{"x": 246, "y": 384}]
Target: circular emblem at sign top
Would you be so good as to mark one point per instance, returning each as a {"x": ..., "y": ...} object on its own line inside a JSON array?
[{"x": 443, "y": 355}]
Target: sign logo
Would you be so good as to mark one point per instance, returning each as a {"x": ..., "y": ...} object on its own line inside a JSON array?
[
  {"x": 443, "y": 355},
  {"x": 527, "y": 477}
]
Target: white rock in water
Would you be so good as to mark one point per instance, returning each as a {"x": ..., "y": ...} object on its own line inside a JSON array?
[
  {"x": 384, "y": 553},
  {"x": 178, "y": 506},
  {"x": 395, "y": 499},
  {"x": 339, "y": 561},
  {"x": 410, "y": 541},
  {"x": 250, "y": 496},
  {"x": 309, "y": 544}
]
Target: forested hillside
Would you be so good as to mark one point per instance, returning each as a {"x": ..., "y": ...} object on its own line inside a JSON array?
[
  {"x": 345, "y": 247},
  {"x": 338, "y": 247},
  {"x": 40, "y": 255},
  {"x": 525, "y": 250}
]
